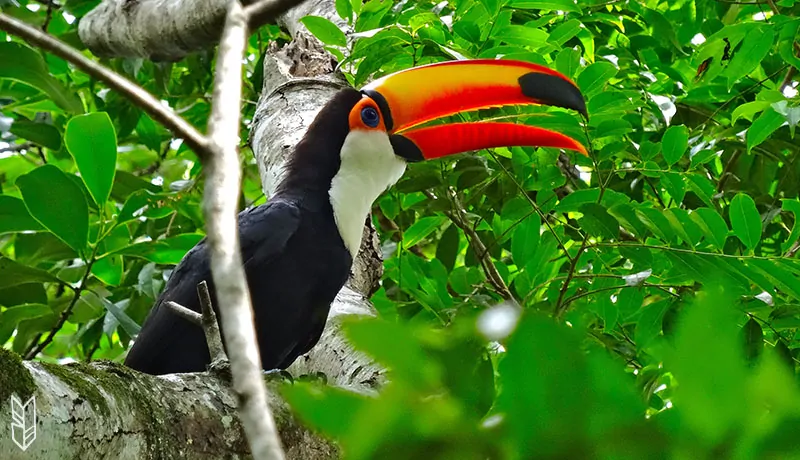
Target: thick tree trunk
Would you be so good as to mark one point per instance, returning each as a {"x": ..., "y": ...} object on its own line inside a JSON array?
[{"x": 105, "y": 410}]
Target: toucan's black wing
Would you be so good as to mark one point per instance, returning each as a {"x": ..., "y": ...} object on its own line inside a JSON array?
[{"x": 169, "y": 344}]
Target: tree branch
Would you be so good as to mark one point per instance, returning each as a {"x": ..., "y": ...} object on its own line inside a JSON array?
[
  {"x": 220, "y": 205},
  {"x": 133, "y": 92},
  {"x": 475, "y": 242},
  {"x": 165, "y": 30}
]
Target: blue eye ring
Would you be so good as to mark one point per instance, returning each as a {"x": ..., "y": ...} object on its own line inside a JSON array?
[{"x": 370, "y": 117}]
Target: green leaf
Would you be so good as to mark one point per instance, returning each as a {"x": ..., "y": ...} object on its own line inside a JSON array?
[
  {"x": 674, "y": 143},
  {"x": 57, "y": 203},
  {"x": 13, "y": 273},
  {"x": 713, "y": 225},
  {"x": 326, "y": 31},
  {"x": 753, "y": 338},
  {"x": 39, "y": 133},
  {"x": 702, "y": 187},
  {"x": 650, "y": 323},
  {"x": 23, "y": 312},
  {"x": 748, "y": 110},
  {"x": 745, "y": 220},
  {"x": 778, "y": 274},
  {"x": 687, "y": 229},
  {"x": 787, "y": 205},
  {"x": 521, "y": 35},
  {"x": 594, "y": 77},
  {"x": 657, "y": 223},
  {"x": 564, "y": 32},
  {"x": 712, "y": 373},
  {"x": 792, "y": 114},
  {"x": 92, "y": 141},
  {"x": 568, "y": 61},
  {"x": 407, "y": 360},
  {"x": 674, "y": 185},
  {"x": 597, "y": 221},
  {"x": 754, "y": 49},
  {"x": 766, "y": 124},
  {"x": 164, "y": 251},
  {"x": 14, "y": 217},
  {"x": 552, "y": 5},
  {"x": 344, "y": 9},
  {"x": 108, "y": 270},
  {"x": 20, "y": 63},
  {"x": 447, "y": 249},
  {"x": 576, "y": 199},
  {"x": 526, "y": 397},
  {"x": 421, "y": 229},
  {"x": 525, "y": 240},
  {"x": 124, "y": 320}
]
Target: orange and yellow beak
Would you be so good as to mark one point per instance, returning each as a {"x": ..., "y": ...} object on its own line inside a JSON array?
[{"x": 415, "y": 96}]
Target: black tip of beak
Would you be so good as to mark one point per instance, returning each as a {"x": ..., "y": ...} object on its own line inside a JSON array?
[
  {"x": 406, "y": 148},
  {"x": 552, "y": 90}
]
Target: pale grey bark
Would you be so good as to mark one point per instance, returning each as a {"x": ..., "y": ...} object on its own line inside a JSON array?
[
  {"x": 162, "y": 30},
  {"x": 152, "y": 29},
  {"x": 298, "y": 80},
  {"x": 105, "y": 410}
]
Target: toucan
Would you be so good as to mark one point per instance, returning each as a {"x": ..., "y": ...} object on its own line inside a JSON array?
[{"x": 298, "y": 247}]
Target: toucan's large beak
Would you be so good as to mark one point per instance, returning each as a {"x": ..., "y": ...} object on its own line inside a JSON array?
[{"x": 414, "y": 96}]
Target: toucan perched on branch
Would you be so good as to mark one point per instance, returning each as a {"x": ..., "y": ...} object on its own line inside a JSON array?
[{"x": 298, "y": 247}]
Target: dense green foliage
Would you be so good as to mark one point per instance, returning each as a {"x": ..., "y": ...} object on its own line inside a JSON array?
[{"x": 657, "y": 278}]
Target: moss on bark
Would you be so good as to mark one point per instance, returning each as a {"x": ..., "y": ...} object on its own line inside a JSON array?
[{"x": 14, "y": 377}]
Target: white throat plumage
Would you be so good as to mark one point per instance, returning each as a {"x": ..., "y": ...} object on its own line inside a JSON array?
[{"x": 369, "y": 166}]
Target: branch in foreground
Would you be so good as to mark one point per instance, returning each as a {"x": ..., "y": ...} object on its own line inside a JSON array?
[
  {"x": 133, "y": 92},
  {"x": 220, "y": 205}
]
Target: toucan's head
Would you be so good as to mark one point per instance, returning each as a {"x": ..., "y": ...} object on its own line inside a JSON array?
[
  {"x": 360, "y": 142},
  {"x": 395, "y": 104}
]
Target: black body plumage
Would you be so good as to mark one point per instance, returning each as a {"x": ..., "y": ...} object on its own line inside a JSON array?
[{"x": 294, "y": 258}]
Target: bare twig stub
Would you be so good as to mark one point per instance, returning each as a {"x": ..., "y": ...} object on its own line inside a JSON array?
[
  {"x": 220, "y": 204},
  {"x": 210, "y": 325},
  {"x": 189, "y": 315}
]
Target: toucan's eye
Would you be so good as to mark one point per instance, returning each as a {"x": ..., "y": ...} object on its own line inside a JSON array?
[{"x": 370, "y": 117}]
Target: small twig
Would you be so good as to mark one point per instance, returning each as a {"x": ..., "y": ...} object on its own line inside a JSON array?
[
  {"x": 726, "y": 172},
  {"x": 36, "y": 348},
  {"x": 17, "y": 147},
  {"x": 475, "y": 242},
  {"x": 787, "y": 79},
  {"x": 134, "y": 93},
  {"x": 561, "y": 306},
  {"x": 189, "y": 315},
  {"x": 210, "y": 324},
  {"x": 397, "y": 235},
  {"x": 49, "y": 16},
  {"x": 265, "y": 11}
]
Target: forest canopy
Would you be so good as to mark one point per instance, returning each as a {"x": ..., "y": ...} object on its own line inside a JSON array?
[{"x": 641, "y": 301}]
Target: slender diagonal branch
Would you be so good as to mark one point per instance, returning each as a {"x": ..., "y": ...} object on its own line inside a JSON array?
[
  {"x": 133, "y": 92},
  {"x": 220, "y": 205},
  {"x": 36, "y": 348},
  {"x": 477, "y": 245}
]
